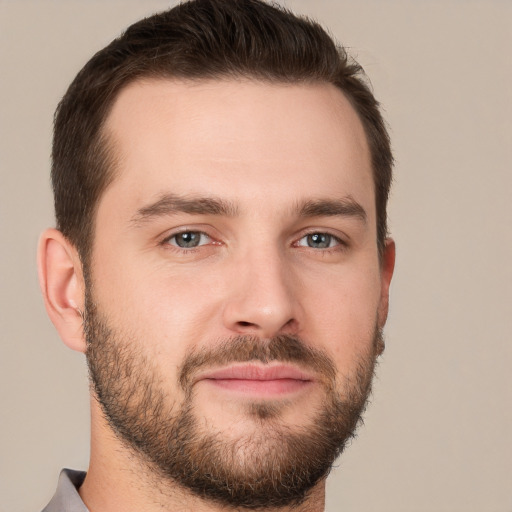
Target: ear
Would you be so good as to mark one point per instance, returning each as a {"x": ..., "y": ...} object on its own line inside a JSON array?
[
  {"x": 62, "y": 285},
  {"x": 386, "y": 273}
]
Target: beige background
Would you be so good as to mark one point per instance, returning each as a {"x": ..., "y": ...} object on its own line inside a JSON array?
[{"x": 438, "y": 436}]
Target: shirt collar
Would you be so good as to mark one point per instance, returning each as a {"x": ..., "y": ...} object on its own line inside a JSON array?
[{"x": 66, "y": 497}]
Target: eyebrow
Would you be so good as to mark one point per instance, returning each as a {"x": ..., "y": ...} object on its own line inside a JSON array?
[
  {"x": 172, "y": 204},
  {"x": 344, "y": 207}
]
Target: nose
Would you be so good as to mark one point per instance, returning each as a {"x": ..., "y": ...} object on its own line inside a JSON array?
[{"x": 263, "y": 298}]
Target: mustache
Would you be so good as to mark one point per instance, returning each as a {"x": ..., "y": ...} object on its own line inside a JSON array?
[{"x": 242, "y": 349}]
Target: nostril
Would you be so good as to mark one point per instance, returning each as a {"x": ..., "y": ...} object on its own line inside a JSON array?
[{"x": 244, "y": 324}]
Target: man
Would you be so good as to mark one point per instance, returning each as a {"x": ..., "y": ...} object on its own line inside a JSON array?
[{"x": 221, "y": 174}]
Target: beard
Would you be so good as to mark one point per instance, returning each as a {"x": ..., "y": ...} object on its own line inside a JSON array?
[{"x": 271, "y": 466}]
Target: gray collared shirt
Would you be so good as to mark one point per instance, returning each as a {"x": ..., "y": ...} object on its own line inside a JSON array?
[{"x": 66, "y": 497}]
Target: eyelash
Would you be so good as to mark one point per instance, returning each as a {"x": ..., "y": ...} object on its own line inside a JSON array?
[
  {"x": 167, "y": 240},
  {"x": 340, "y": 244}
]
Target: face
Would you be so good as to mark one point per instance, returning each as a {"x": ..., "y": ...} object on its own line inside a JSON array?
[{"x": 235, "y": 294}]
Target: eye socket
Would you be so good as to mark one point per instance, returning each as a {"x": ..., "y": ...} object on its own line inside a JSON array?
[
  {"x": 188, "y": 239},
  {"x": 193, "y": 239},
  {"x": 319, "y": 241}
]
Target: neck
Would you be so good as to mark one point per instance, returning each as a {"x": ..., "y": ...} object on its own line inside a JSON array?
[{"x": 119, "y": 481}]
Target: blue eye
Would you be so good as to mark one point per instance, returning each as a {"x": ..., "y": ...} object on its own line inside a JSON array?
[
  {"x": 319, "y": 241},
  {"x": 189, "y": 239}
]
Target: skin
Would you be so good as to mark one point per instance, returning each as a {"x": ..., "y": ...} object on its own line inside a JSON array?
[{"x": 264, "y": 149}]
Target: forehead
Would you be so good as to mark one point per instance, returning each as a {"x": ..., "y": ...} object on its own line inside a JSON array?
[{"x": 246, "y": 140}]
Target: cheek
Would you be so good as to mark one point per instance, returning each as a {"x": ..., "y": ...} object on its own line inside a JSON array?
[
  {"x": 165, "y": 310},
  {"x": 344, "y": 315}
]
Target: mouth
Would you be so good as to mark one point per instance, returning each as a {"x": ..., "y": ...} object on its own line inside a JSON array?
[{"x": 258, "y": 380}]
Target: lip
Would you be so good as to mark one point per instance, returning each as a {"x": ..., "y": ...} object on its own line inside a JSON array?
[{"x": 260, "y": 380}]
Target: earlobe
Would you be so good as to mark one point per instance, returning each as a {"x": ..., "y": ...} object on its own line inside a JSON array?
[
  {"x": 62, "y": 286},
  {"x": 387, "y": 268}
]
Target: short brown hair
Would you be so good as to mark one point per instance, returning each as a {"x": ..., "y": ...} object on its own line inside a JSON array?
[{"x": 198, "y": 39}]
